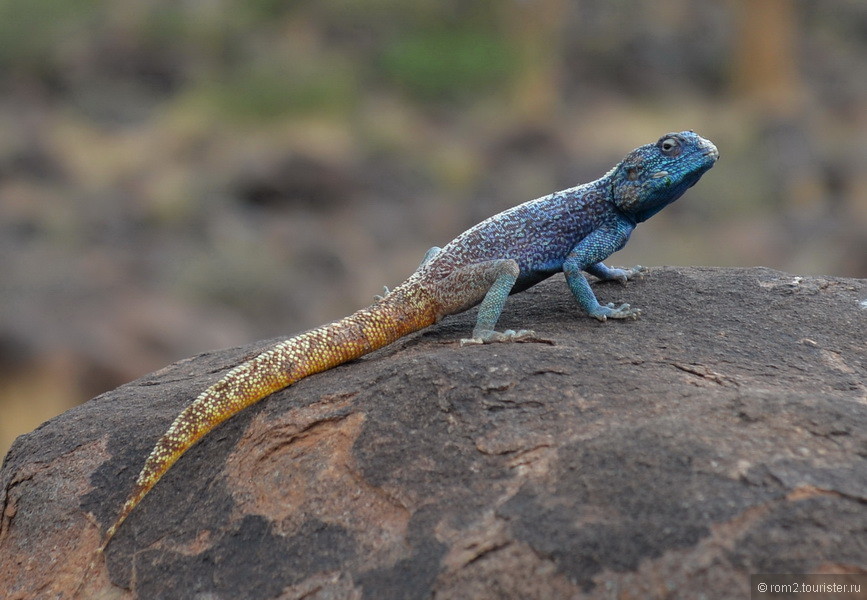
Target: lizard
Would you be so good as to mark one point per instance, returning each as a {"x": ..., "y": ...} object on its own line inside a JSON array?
[{"x": 570, "y": 231}]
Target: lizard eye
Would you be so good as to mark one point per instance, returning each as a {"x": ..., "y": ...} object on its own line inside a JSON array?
[{"x": 670, "y": 146}]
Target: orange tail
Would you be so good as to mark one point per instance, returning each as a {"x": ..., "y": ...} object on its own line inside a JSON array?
[{"x": 403, "y": 311}]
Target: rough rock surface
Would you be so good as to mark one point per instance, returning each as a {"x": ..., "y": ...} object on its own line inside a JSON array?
[{"x": 722, "y": 434}]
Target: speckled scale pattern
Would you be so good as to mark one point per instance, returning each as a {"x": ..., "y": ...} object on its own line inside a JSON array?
[
  {"x": 570, "y": 231},
  {"x": 311, "y": 352},
  {"x": 537, "y": 234}
]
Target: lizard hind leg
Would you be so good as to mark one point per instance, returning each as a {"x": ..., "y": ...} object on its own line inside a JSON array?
[
  {"x": 605, "y": 273},
  {"x": 430, "y": 255},
  {"x": 500, "y": 277}
]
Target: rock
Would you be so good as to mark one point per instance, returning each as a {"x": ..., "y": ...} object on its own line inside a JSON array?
[{"x": 722, "y": 434}]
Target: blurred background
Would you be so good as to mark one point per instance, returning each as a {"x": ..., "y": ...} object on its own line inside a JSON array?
[{"x": 178, "y": 176}]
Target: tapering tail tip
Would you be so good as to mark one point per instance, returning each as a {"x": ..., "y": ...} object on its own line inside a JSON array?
[
  {"x": 406, "y": 309},
  {"x": 138, "y": 493}
]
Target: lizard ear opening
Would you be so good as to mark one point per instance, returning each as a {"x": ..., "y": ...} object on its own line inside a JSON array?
[{"x": 627, "y": 184}]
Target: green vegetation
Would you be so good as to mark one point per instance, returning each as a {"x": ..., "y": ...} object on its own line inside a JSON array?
[
  {"x": 448, "y": 64},
  {"x": 177, "y": 175},
  {"x": 36, "y": 35}
]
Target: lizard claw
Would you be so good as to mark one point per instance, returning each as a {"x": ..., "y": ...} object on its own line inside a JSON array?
[
  {"x": 636, "y": 272},
  {"x": 624, "y": 275},
  {"x": 385, "y": 293},
  {"x": 609, "y": 311},
  {"x": 490, "y": 336}
]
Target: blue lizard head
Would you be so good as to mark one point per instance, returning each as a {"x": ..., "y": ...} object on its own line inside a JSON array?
[{"x": 653, "y": 176}]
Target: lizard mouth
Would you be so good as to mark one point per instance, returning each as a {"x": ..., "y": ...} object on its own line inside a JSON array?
[{"x": 711, "y": 150}]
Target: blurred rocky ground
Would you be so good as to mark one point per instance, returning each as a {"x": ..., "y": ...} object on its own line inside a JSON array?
[{"x": 178, "y": 177}]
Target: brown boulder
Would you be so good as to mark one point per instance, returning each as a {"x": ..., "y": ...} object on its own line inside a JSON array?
[{"x": 722, "y": 434}]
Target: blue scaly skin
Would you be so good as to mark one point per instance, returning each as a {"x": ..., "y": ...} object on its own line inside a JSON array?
[{"x": 570, "y": 231}]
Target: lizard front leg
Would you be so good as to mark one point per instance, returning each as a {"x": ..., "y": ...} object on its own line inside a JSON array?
[{"x": 588, "y": 256}]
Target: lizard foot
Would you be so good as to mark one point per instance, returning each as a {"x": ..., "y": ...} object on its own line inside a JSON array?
[
  {"x": 490, "y": 336},
  {"x": 636, "y": 272},
  {"x": 609, "y": 311},
  {"x": 624, "y": 275}
]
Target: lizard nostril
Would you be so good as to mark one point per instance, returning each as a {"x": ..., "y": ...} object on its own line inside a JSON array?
[{"x": 710, "y": 149}]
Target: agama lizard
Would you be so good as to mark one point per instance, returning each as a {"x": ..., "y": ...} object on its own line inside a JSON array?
[{"x": 570, "y": 231}]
